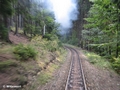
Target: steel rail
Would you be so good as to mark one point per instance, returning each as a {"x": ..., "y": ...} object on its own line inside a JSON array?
[{"x": 81, "y": 73}]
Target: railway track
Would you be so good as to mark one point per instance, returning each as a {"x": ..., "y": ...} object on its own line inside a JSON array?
[{"x": 75, "y": 80}]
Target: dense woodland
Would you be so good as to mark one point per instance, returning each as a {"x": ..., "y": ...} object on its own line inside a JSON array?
[
  {"x": 96, "y": 29},
  {"x": 97, "y": 26},
  {"x": 28, "y": 16}
]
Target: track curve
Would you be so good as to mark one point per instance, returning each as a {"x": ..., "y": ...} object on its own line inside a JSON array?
[{"x": 76, "y": 79}]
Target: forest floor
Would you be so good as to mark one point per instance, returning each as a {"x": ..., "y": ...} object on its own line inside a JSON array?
[
  {"x": 17, "y": 39},
  {"x": 27, "y": 73},
  {"x": 11, "y": 70}
]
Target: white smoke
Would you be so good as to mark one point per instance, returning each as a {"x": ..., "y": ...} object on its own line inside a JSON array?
[{"x": 65, "y": 12}]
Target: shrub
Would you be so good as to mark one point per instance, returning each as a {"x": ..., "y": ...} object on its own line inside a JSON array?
[
  {"x": 116, "y": 65},
  {"x": 47, "y": 36},
  {"x": 24, "y": 52},
  {"x": 50, "y": 45}
]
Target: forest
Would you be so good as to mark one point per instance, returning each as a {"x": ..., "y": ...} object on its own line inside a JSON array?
[
  {"x": 97, "y": 30},
  {"x": 28, "y": 16},
  {"x": 28, "y": 42}
]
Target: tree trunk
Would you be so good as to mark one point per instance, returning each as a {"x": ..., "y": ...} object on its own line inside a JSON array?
[
  {"x": 16, "y": 25},
  {"x": 6, "y": 23},
  {"x": 109, "y": 50},
  {"x": 24, "y": 26}
]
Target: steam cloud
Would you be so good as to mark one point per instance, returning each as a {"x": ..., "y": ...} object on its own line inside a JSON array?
[{"x": 65, "y": 12}]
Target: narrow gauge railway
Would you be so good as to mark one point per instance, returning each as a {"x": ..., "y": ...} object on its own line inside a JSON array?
[{"x": 75, "y": 80}]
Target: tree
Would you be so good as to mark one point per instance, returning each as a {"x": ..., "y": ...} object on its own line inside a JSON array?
[
  {"x": 6, "y": 10},
  {"x": 104, "y": 16},
  {"x": 32, "y": 17},
  {"x": 83, "y": 8}
]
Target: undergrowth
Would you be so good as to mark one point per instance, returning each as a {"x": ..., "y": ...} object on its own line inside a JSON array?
[
  {"x": 44, "y": 77},
  {"x": 103, "y": 62},
  {"x": 46, "y": 44},
  {"x": 7, "y": 64},
  {"x": 46, "y": 47},
  {"x": 97, "y": 60},
  {"x": 23, "y": 52},
  {"x": 40, "y": 49},
  {"x": 116, "y": 64}
]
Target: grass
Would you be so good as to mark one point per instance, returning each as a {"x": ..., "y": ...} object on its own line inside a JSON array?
[
  {"x": 6, "y": 64},
  {"x": 25, "y": 52},
  {"x": 6, "y": 49},
  {"x": 46, "y": 75},
  {"x": 41, "y": 46},
  {"x": 97, "y": 60}
]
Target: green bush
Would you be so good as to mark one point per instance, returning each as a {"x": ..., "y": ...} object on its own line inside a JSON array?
[
  {"x": 47, "y": 36},
  {"x": 116, "y": 65},
  {"x": 52, "y": 45},
  {"x": 24, "y": 52}
]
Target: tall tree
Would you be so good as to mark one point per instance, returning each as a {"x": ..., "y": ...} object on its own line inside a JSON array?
[
  {"x": 6, "y": 10},
  {"x": 104, "y": 16}
]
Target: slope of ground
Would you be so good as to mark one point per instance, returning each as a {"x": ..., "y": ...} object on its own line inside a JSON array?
[
  {"x": 12, "y": 71},
  {"x": 60, "y": 75},
  {"x": 19, "y": 38},
  {"x": 23, "y": 74}
]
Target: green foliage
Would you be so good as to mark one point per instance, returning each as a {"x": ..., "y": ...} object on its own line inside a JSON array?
[
  {"x": 70, "y": 39},
  {"x": 97, "y": 60},
  {"x": 44, "y": 78},
  {"x": 3, "y": 32},
  {"x": 41, "y": 19},
  {"x": 51, "y": 45},
  {"x": 6, "y": 7},
  {"x": 101, "y": 32},
  {"x": 116, "y": 65},
  {"x": 6, "y": 10},
  {"x": 73, "y": 41},
  {"x": 24, "y": 52},
  {"x": 47, "y": 36}
]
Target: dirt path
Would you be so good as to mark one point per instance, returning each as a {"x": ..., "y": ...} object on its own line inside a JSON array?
[
  {"x": 17, "y": 39},
  {"x": 96, "y": 78}
]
